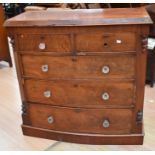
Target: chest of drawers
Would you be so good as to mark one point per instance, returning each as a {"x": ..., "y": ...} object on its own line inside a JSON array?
[{"x": 81, "y": 73}]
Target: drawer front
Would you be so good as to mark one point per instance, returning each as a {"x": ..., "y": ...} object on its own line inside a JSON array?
[
  {"x": 83, "y": 42},
  {"x": 105, "y": 121},
  {"x": 77, "y": 93},
  {"x": 107, "y": 65},
  {"x": 99, "y": 42},
  {"x": 44, "y": 43}
]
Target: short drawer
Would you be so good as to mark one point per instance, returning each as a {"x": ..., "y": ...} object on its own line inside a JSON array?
[
  {"x": 44, "y": 43},
  {"x": 101, "y": 66},
  {"x": 81, "y": 93},
  {"x": 105, "y": 42},
  {"x": 105, "y": 121}
]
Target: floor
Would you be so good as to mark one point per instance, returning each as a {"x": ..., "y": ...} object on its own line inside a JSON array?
[{"x": 11, "y": 137}]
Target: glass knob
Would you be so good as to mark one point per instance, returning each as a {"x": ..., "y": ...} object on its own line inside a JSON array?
[
  {"x": 47, "y": 93},
  {"x": 106, "y": 123},
  {"x": 42, "y": 46},
  {"x": 105, "y": 69},
  {"x": 50, "y": 119},
  {"x": 44, "y": 68},
  {"x": 105, "y": 96}
]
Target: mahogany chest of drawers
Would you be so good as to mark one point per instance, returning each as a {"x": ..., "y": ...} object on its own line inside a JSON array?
[{"x": 82, "y": 73}]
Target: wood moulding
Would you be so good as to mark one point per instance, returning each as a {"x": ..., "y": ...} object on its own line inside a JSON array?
[{"x": 96, "y": 139}]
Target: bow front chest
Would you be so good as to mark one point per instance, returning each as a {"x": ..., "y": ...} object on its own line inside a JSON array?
[{"x": 81, "y": 73}]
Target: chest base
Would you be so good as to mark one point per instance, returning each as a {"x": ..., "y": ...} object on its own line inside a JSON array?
[{"x": 96, "y": 139}]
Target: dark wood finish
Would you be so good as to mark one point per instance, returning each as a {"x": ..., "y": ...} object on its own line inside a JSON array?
[
  {"x": 4, "y": 49},
  {"x": 75, "y": 54}
]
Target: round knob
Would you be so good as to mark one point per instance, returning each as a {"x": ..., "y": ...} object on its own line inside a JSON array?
[
  {"x": 44, "y": 68},
  {"x": 105, "y": 69},
  {"x": 47, "y": 93},
  {"x": 42, "y": 46},
  {"x": 50, "y": 119},
  {"x": 106, "y": 123},
  {"x": 105, "y": 96}
]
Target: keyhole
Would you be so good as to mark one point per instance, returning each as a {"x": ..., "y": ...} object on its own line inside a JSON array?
[
  {"x": 42, "y": 37},
  {"x": 74, "y": 59},
  {"x": 105, "y": 45}
]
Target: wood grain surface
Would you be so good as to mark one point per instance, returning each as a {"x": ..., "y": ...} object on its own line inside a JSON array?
[
  {"x": 121, "y": 66},
  {"x": 67, "y": 58},
  {"x": 81, "y": 93},
  {"x": 80, "y": 120},
  {"x": 81, "y": 17}
]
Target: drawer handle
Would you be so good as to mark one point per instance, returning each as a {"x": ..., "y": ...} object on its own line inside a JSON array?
[
  {"x": 42, "y": 46},
  {"x": 106, "y": 123},
  {"x": 44, "y": 68},
  {"x": 50, "y": 119},
  {"x": 47, "y": 93},
  {"x": 105, "y": 96},
  {"x": 105, "y": 69}
]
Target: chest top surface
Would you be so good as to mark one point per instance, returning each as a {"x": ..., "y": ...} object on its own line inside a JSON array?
[{"x": 80, "y": 17}]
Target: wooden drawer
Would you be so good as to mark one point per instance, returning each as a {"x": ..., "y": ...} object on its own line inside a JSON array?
[
  {"x": 101, "y": 66},
  {"x": 110, "y": 42},
  {"x": 78, "y": 93},
  {"x": 44, "y": 43},
  {"x": 106, "y": 121}
]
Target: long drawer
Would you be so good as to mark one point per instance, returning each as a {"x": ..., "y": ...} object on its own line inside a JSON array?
[
  {"x": 105, "y": 121},
  {"x": 81, "y": 93},
  {"x": 99, "y": 66}
]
